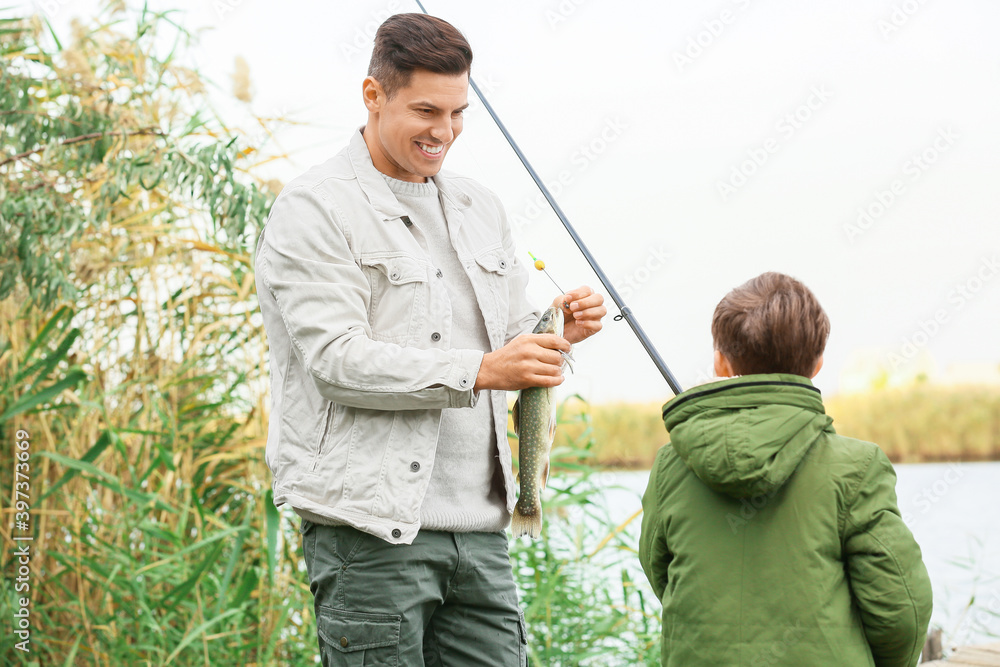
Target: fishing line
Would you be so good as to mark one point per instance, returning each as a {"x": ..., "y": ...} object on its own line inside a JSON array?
[
  {"x": 625, "y": 311},
  {"x": 540, "y": 265}
]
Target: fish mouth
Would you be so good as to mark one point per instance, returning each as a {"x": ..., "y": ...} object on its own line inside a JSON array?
[{"x": 551, "y": 321}]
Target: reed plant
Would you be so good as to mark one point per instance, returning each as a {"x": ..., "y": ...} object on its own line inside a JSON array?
[
  {"x": 917, "y": 423},
  {"x": 582, "y": 604},
  {"x": 924, "y": 422},
  {"x": 132, "y": 361}
]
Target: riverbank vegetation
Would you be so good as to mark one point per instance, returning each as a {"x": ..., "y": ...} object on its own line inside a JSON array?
[
  {"x": 914, "y": 424},
  {"x": 133, "y": 364}
]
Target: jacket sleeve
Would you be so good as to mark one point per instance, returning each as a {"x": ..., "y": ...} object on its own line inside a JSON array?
[
  {"x": 654, "y": 554},
  {"x": 523, "y": 316},
  {"x": 307, "y": 266},
  {"x": 888, "y": 578}
]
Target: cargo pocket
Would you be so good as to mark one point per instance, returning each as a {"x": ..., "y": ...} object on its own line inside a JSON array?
[
  {"x": 522, "y": 645},
  {"x": 356, "y": 639},
  {"x": 399, "y": 296}
]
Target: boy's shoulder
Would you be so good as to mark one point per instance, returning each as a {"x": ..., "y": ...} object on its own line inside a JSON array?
[
  {"x": 850, "y": 453},
  {"x": 837, "y": 448},
  {"x": 832, "y": 455}
]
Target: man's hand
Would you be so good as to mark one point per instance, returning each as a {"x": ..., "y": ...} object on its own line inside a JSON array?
[
  {"x": 582, "y": 312},
  {"x": 528, "y": 360}
]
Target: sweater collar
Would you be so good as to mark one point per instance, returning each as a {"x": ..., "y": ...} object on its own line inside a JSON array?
[{"x": 375, "y": 188}]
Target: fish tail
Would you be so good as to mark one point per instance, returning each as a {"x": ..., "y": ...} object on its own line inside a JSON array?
[{"x": 527, "y": 522}]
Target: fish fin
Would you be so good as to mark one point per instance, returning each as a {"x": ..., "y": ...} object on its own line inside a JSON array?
[
  {"x": 526, "y": 524},
  {"x": 567, "y": 358},
  {"x": 545, "y": 474},
  {"x": 515, "y": 414}
]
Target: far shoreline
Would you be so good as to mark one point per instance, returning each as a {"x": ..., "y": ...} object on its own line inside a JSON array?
[{"x": 920, "y": 423}]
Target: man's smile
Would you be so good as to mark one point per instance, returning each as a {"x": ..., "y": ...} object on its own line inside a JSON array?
[{"x": 429, "y": 150}]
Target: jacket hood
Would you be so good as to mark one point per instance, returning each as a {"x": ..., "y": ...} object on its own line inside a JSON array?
[{"x": 745, "y": 436}]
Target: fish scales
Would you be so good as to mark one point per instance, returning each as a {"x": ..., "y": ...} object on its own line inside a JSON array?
[{"x": 534, "y": 417}]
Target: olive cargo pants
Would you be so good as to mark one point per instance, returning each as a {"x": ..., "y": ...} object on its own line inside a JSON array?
[{"x": 447, "y": 600}]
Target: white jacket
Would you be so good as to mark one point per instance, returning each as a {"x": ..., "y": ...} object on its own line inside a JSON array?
[{"x": 359, "y": 330}]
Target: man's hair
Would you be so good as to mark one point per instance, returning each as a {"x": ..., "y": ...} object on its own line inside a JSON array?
[
  {"x": 407, "y": 42},
  {"x": 771, "y": 324}
]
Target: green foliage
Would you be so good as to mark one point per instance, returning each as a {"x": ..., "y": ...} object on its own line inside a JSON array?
[
  {"x": 980, "y": 613},
  {"x": 128, "y": 353},
  {"x": 106, "y": 126},
  {"x": 581, "y": 604}
]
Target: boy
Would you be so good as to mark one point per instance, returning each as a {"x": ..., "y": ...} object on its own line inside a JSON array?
[{"x": 770, "y": 539}]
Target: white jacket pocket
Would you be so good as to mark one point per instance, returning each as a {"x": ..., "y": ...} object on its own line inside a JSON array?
[{"x": 398, "y": 296}]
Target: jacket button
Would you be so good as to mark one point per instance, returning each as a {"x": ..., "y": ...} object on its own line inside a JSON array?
[
  {"x": 396, "y": 532},
  {"x": 464, "y": 381},
  {"x": 435, "y": 336},
  {"x": 503, "y": 264},
  {"x": 414, "y": 466},
  {"x": 343, "y": 642},
  {"x": 394, "y": 276}
]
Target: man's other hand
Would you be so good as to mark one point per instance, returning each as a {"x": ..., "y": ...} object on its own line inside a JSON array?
[{"x": 583, "y": 309}]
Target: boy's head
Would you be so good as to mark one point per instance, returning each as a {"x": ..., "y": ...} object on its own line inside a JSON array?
[{"x": 769, "y": 324}]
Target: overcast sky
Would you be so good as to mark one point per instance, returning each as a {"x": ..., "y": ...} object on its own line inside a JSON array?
[{"x": 694, "y": 145}]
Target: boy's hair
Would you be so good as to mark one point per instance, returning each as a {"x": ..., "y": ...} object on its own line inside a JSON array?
[
  {"x": 406, "y": 42},
  {"x": 771, "y": 324}
]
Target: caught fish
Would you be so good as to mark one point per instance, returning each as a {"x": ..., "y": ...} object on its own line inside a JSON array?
[{"x": 534, "y": 417}]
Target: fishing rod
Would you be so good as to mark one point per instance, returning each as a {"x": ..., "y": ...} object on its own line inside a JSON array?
[{"x": 625, "y": 311}]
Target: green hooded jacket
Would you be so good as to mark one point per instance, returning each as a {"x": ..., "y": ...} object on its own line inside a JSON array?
[{"x": 771, "y": 540}]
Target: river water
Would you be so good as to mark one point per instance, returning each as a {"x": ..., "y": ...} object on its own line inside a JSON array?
[{"x": 953, "y": 510}]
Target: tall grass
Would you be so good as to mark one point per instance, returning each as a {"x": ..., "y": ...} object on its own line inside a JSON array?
[
  {"x": 924, "y": 422},
  {"x": 582, "y": 606},
  {"x": 131, "y": 354},
  {"x": 912, "y": 424},
  {"x": 623, "y": 435}
]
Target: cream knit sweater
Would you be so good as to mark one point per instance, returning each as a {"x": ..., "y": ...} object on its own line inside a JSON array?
[{"x": 466, "y": 491}]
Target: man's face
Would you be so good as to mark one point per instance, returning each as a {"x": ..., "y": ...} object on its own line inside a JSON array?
[{"x": 409, "y": 135}]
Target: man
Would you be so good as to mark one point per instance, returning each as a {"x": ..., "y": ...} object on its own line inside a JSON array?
[{"x": 395, "y": 309}]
